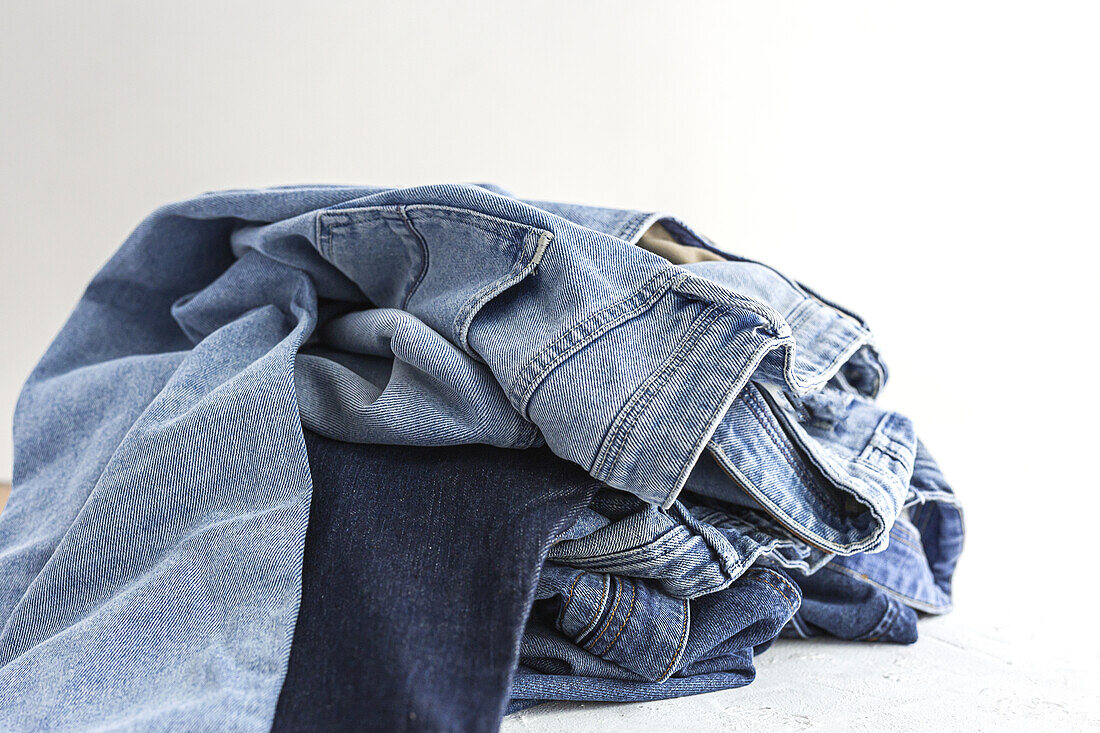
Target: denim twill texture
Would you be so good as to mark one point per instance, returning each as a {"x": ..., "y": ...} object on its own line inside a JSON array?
[
  {"x": 151, "y": 551},
  {"x": 416, "y": 582}
]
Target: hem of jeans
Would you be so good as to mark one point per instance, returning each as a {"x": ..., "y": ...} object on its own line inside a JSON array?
[
  {"x": 546, "y": 687},
  {"x": 856, "y": 337},
  {"x": 874, "y": 494},
  {"x": 778, "y": 508}
]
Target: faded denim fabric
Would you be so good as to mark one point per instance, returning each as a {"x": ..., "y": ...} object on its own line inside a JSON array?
[
  {"x": 626, "y": 575},
  {"x": 843, "y": 606},
  {"x": 169, "y": 407},
  {"x": 876, "y": 596},
  {"x": 926, "y": 542},
  {"x": 151, "y": 550},
  {"x": 831, "y": 466},
  {"x": 688, "y": 550}
]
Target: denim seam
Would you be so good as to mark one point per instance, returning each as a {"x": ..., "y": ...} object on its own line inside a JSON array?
[
  {"x": 599, "y": 609},
  {"x": 323, "y": 235},
  {"x": 862, "y": 337},
  {"x": 771, "y": 584},
  {"x": 924, "y": 518},
  {"x": 830, "y": 465},
  {"x": 884, "y": 444},
  {"x": 843, "y": 481},
  {"x": 894, "y": 450},
  {"x": 704, "y": 290},
  {"x": 834, "y": 469},
  {"x": 569, "y": 598},
  {"x": 778, "y": 338},
  {"x": 799, "y": 313},
  {"x": 799, "y": 627},
  {"x": 881, "y": 473},
  {"x": 679, "y": 649},
  {"x": 626, "y": 619},
  {"x": 883, "y": 624},
  {"x": 837, "y": 475},
  {"x": 630, "y": 229},
  {"x": 760, "y": 412},
  {"x": 530, "y": 255},
  {"x": 918, "y": 515},
  {"x": 765, "y": 544},
  {"x": 588, "y": 645},
  {"x": 527, "y": 258},
  {"x": 654, "y": 546},
  {"x": 423, "y": 254},
  {"x": 786, "y": 583},
  {"x": 623, "y": 425},
  {"x": 491, "y": 225},
  {"x": 907, "y": 530},
  {"x": 905, "y": 541},
  {"x": 928, "y": 496},
  {"x": 560, "y": 526},
  {"x": 538, "y": 367},
  {"x": 908, "y": 600}
]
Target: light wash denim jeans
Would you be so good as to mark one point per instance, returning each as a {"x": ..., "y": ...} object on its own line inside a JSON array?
[{"x": 150, "y": 554}]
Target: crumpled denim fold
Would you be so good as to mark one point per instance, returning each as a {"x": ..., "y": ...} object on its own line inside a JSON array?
[
  {"x": 633, "y": 573},
  {"x": 625, "y": 642},
  {"x": 151, "y": 550},
  {"x": 689, "y": 550}
]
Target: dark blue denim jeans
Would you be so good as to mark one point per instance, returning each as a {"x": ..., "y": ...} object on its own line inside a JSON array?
[{"x": 420, "y": 567}]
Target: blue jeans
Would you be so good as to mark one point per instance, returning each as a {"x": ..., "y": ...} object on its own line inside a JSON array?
[
  {"x": 628, "y": 580},
  {"x": 416, "y": 582},
  {"x": 150, "y": 553}
]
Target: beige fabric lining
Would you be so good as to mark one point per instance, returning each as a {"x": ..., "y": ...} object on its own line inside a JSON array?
[{"x": 658, "y": 241}]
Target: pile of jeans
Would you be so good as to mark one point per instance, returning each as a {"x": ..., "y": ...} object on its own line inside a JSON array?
[{"x": 411, "y": 459}]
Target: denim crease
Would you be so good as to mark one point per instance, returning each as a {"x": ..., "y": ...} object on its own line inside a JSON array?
[{"x": 248, "y": 357}]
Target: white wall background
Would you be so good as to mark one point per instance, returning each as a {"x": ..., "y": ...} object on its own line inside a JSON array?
[{"x": 936, "y": 166}]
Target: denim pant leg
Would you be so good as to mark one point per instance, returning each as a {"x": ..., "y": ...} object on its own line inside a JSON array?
[{"x": 420, "y": 566}]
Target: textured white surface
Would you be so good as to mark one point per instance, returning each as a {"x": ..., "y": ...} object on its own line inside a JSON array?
[{"x": 959, "y": 676}]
